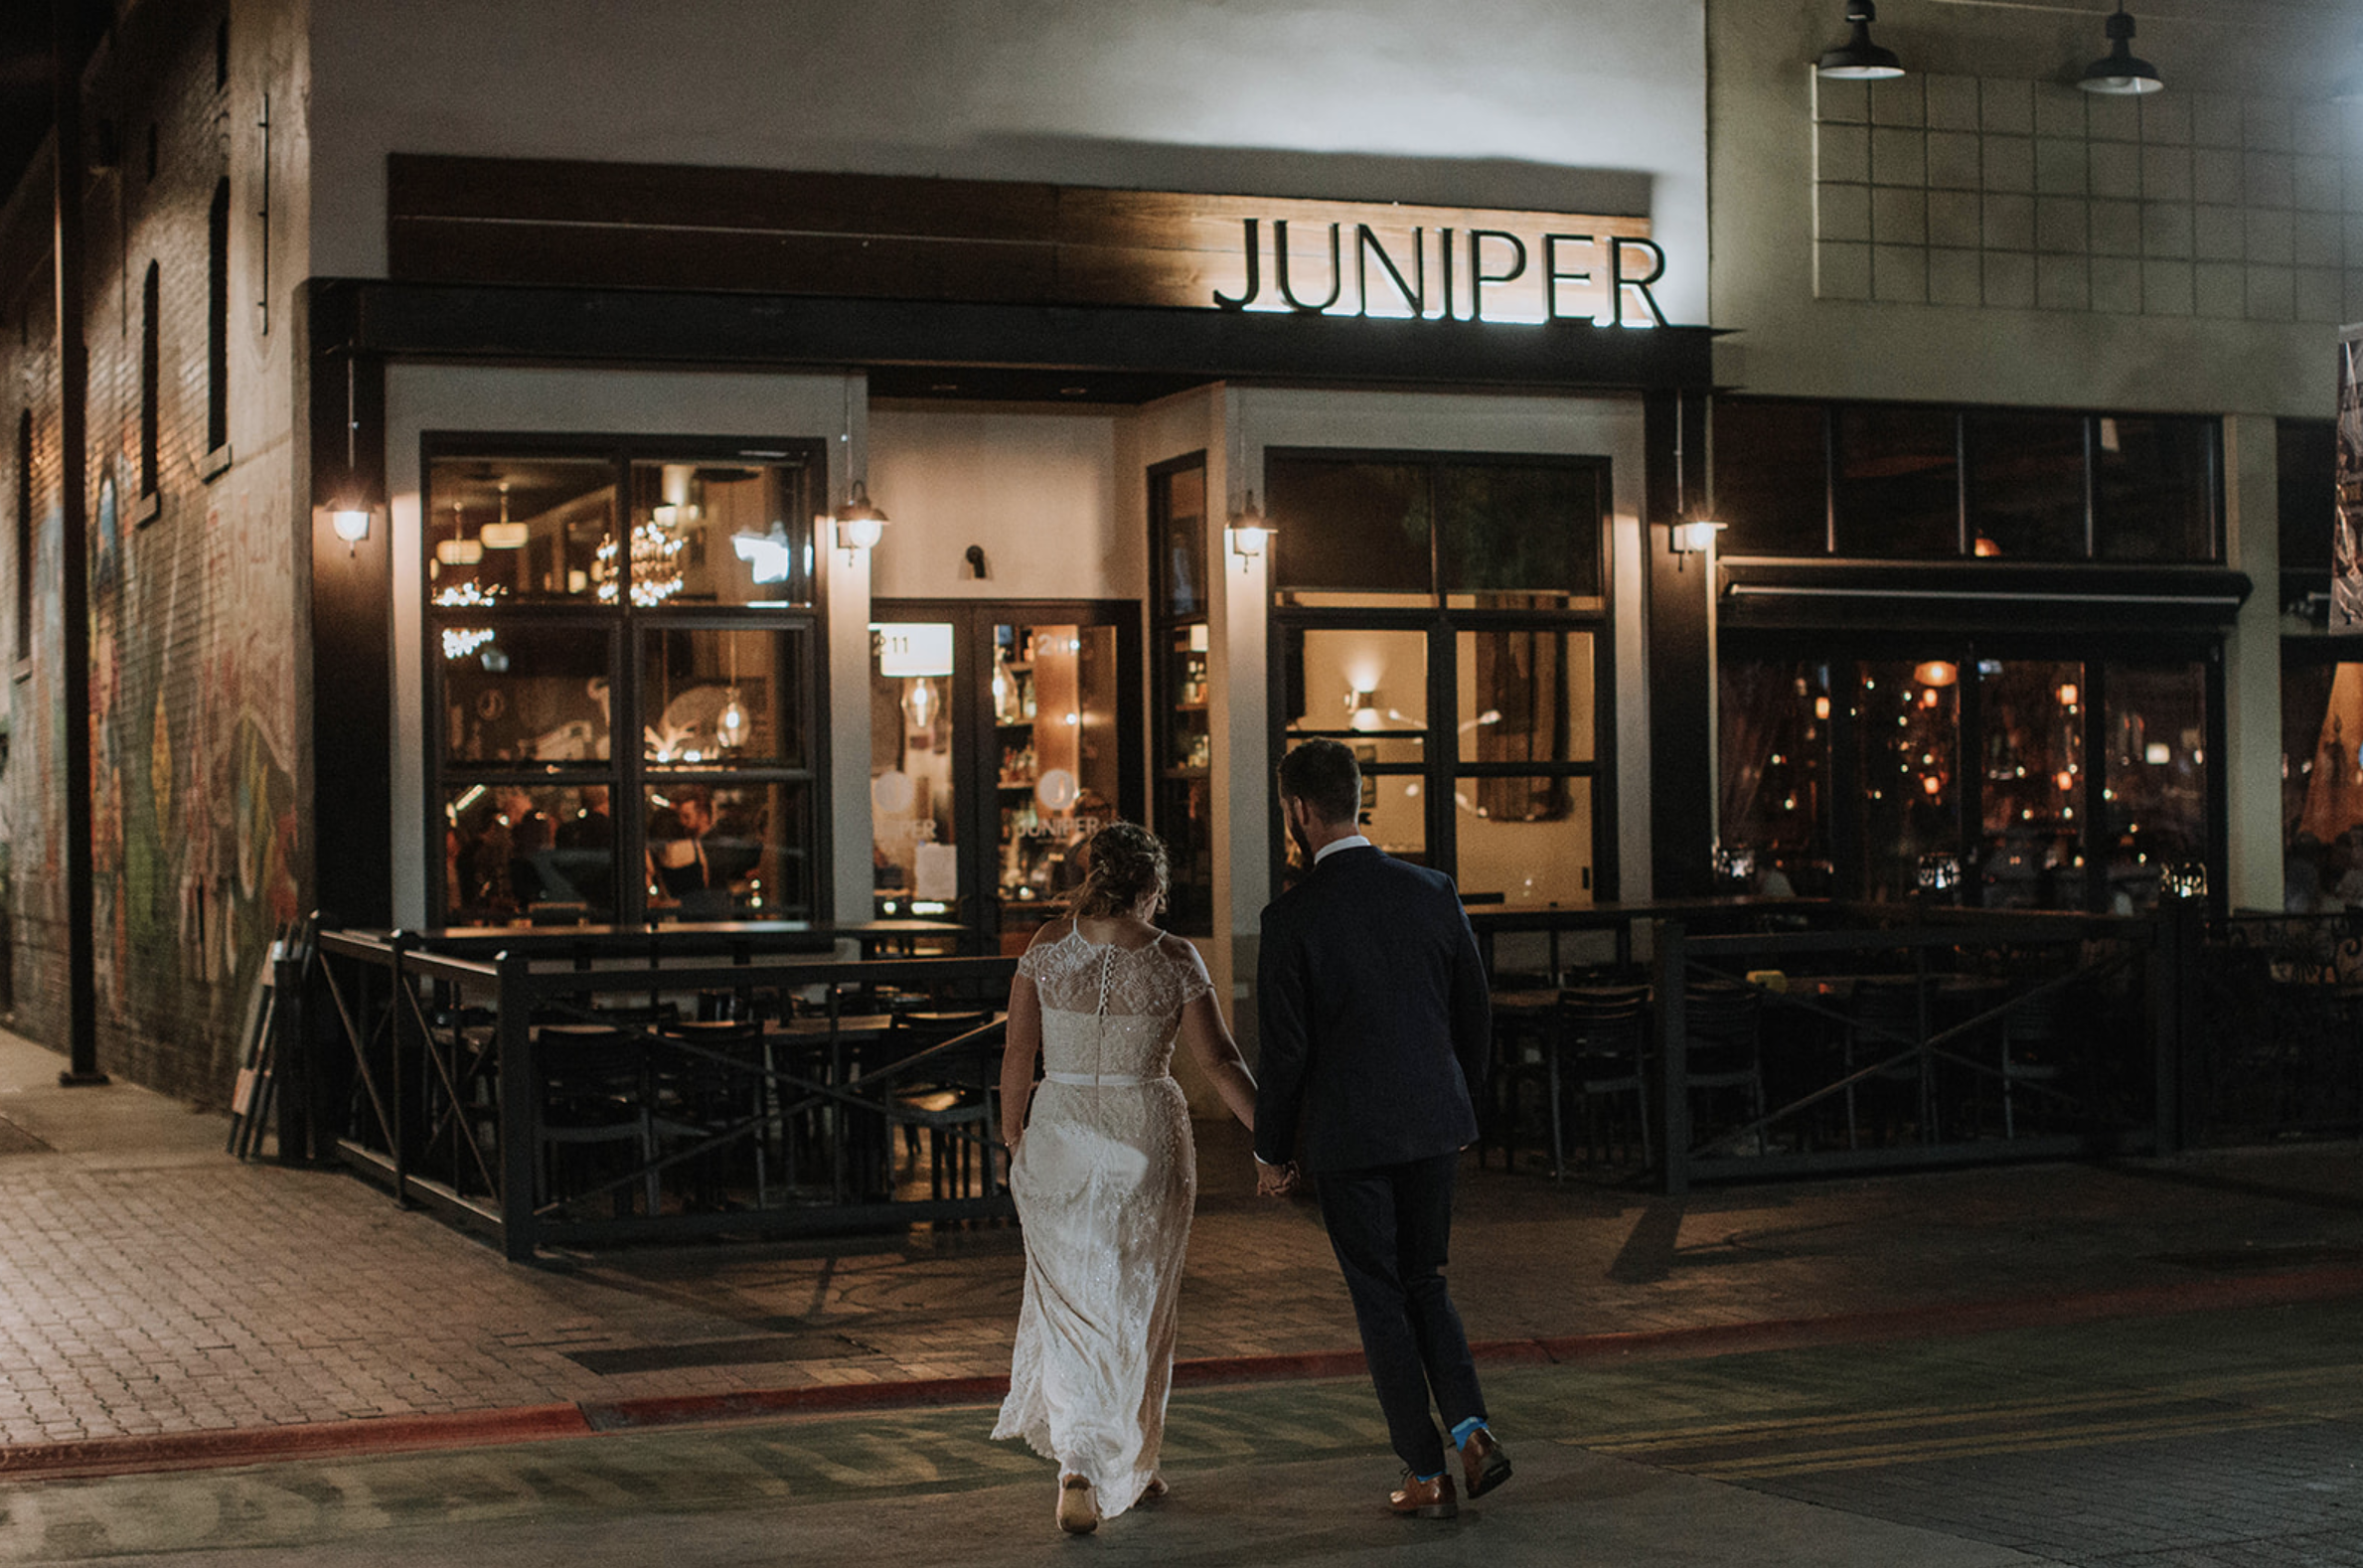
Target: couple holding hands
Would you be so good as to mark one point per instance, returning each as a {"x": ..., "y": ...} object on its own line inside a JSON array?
[{"x": 1375, "y": 1035}]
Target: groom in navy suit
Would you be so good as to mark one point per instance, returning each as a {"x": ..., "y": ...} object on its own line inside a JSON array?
[{"x": 1376, "y": 1036}]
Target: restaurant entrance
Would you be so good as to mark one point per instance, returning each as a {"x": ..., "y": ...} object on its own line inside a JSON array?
[{"x": 999, "y": 741}]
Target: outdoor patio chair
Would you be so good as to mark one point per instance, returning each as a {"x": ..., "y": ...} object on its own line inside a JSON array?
[
  {"x": 1723, "y": 1052},
  {"x": 594, "y": 1100},
  {"x": 1600, "y": 1048}
]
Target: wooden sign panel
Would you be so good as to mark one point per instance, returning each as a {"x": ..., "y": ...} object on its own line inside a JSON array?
[{"x": 600, "y": 225}]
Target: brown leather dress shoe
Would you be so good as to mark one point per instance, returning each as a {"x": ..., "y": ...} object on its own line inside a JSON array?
[
  {"x": 1484, "y": 1463},
  {"x": 1425, "y": 1499},
  {"x": 1078, "y": 1510}
]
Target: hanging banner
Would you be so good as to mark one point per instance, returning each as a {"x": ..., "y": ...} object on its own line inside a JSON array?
[{"x": 2347, "y": 544}]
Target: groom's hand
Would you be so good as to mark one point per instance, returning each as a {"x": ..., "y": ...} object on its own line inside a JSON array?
[{"x": 1275, "y": 1181}]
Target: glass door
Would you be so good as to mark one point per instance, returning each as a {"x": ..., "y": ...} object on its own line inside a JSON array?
[
  {"x": 1057, "y": 777},
  {"x": 914, "y": 785},
  {"x": 1000, "y": 741}
]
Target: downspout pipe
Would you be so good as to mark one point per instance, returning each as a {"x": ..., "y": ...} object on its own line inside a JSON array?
[{"x": 74, "y": 451}]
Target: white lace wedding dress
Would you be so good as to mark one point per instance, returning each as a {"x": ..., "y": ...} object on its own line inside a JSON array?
[{"x": 1104, "y": 1179}]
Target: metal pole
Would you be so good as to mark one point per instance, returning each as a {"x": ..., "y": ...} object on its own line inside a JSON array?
[
  {"x": 74, "y": 391},
  {"x": 1673, "y": 1069},
  {"x": 518, "y": 1079}
]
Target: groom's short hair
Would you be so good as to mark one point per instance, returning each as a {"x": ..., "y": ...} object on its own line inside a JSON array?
[{"x": 1325, "y": 776}]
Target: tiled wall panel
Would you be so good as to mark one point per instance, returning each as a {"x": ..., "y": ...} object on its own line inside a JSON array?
[{"x": 1975, "y": 192}]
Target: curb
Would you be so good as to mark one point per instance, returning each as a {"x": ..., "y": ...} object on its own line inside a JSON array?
[
  {"x": 97, "y": 1457},
  {"x": 122, "y": 1456}
]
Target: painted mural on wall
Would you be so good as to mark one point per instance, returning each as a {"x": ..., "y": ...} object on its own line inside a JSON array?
[{"x": 195, "y": 832}]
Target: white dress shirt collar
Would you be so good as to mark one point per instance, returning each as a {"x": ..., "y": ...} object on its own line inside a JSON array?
[{"x": 1353, "y": 840}]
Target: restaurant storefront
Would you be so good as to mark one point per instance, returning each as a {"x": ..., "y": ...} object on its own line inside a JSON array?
[
  {"x": 644, "y": 675},
  {"x": 1985, "y": 639}
]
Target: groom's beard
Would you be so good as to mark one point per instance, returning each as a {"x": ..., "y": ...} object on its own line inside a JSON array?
[{"x": 1296, "y": 831}]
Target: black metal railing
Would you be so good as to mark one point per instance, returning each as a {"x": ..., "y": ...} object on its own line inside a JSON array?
[
  {"x": 1895, "y": 1036},
  {"x": 566, "y": 1100},
  {"x": 2278, "y": 1027}
]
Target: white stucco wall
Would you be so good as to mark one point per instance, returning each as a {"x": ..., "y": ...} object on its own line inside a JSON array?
[
  {"x": 1036, "y": 489},
  {"x": 1556, "y": 105}
]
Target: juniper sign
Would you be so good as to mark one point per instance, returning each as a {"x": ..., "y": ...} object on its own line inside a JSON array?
[{"x": 880, "y": 237}]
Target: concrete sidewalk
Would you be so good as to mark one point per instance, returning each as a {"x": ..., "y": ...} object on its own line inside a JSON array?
[{"x": 154, "y": 1292}]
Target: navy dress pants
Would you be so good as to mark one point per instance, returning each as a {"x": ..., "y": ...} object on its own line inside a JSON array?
[{"x": 1391, "y": 1228}]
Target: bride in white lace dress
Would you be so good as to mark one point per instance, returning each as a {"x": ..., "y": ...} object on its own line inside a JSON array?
[{"x": 1104, "y": 1174}]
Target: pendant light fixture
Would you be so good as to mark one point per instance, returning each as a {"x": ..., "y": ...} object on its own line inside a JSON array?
[
  {"x": 505, "y": 534},
  {"x": 2120, "y": 71},
  {"x": 1859, "y": 59}
]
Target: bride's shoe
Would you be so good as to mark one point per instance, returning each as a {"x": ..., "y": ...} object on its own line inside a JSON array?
[
  {"x": 1154, "y": 1492},
  {"x": 1078, "y": 1510}
]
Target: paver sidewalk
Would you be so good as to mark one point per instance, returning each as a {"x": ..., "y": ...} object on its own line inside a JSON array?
[{"x": 150, "y": 1284}]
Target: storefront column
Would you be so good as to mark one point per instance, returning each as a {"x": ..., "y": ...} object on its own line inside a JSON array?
[
  {"x": 2252, "y": 666},
  {"x": 1238, "y": 710},
  {"x": 848, "y": 667},
  {"x": 1681, "y": 670}
]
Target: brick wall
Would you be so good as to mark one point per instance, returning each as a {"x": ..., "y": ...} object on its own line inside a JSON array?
[{"x": 196, "y": 848}]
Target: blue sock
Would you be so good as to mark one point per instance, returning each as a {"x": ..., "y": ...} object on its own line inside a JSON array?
[
  {"x": 1462, "y": 1429},
  {"x": 1424, "y": 1479}
]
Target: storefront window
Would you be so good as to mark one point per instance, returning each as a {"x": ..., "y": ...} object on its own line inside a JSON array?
[
  {"x": 1478, "y": 714},
  {"x": 2154, "y": 489},
  {"x": 1908, "y": 715},
  {"x": 1898, "y": 482},
  {"x": 717, "y": 534},
  {"x": 2055, "y": 783},
  {"x": 2322, "y": 789},
  {"x": 525, "y": 691},
  {"x": 1351, "y": 531},
  {"x": 724, "y": 852},
  {"x": 2026, "y": 485},
  {"x": 1182, "y": 677},
  {"x": 2031, "y": 852},
  {"x": 2157, "y": 784},
  {"x": 519, "y": 529},
  {"x": 723, "y": 698},
  {"x": 1890, "y": 481},
  {"x": 1772, "y": 477},
  {"x": 1515, "y": 536},
  {"x": 1526, "y": 696},
  {"x": 1776, "y": 748},
  {"x": 549, "y": 635}
]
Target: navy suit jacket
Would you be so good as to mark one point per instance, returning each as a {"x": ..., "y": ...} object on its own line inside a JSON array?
[{"x": 1376, "y": 1027}]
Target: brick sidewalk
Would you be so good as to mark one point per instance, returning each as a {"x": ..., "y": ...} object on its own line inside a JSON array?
[{"x": 150, "y": 1284}]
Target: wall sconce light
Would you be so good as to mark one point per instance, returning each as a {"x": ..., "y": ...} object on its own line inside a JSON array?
[
  {"x": 1362, "y": 711},
  {"x": 1250, "y": 536},
  {"x": 1692, "y": 539},
  {"x": 351, "y": 520},
  {"x": 860, "y": 522},
  {"x": 2185, "y": 880},
  {"x": 1859, "y": 59},
  {"x": 2120, "y": 71},
  {"x": 348, "y": 512}
]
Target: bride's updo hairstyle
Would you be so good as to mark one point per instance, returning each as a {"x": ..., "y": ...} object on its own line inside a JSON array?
[{"x": 1127, "y": 865}]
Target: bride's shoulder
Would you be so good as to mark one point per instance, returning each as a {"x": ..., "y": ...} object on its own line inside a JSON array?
[
  {"x": 1180, "y": 950},
  {"x": 1051, "y": 932}
]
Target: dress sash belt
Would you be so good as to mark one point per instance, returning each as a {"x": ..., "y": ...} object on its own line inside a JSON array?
[{"x": 1097, "y": 1080}]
